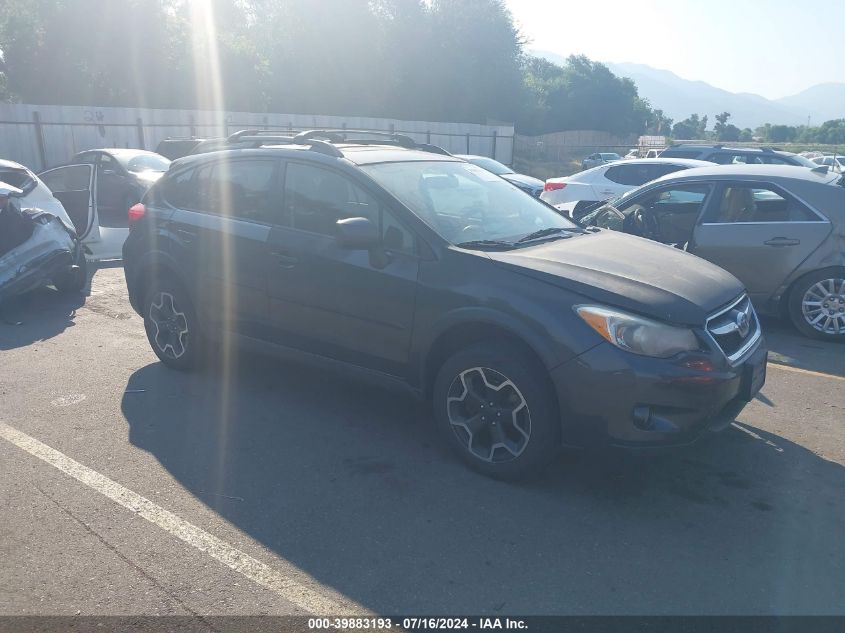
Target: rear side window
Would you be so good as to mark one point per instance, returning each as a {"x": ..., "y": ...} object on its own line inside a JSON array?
[
  {"x": 755, "y": 203},
  {"x": 242, "y": 189}
]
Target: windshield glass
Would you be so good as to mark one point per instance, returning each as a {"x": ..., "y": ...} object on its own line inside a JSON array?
[
  {"x": 145, "y": 162},
  {"x": 463, "y": 202},
  {"x": 493, "y": 166},
  {"x": 17, "y": 178}
]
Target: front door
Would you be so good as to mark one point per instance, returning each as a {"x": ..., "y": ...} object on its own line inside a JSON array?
[
  {"x": 73, "y": 186},
  {"x": 760, "y": 233},
  {"x": 352, "y": 305}
]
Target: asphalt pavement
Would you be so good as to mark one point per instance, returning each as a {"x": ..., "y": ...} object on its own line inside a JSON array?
[{"x": 274, "y": 488}]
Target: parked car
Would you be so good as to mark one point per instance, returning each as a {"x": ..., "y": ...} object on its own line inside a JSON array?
[
  {"x": 37, "y": 246},
  {"x": 779, "y": 229},
  {"x": 736, "y": 155},
  {"x": 122, "y": 177},
  {"x": 528, "y": 184},
  {"x": 599, "y": 158},
  {"x": 430, "y": 272},
  {"x": 632, "y": 153},
  {"x": 836, "y": 163},
  {"x": 66, "y": 192},
  {"x": 177, "y": 147},
  {"x": 577, "y": 195}
]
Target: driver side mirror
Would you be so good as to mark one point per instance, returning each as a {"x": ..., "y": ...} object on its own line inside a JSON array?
[{"x": 357, "y": 234}]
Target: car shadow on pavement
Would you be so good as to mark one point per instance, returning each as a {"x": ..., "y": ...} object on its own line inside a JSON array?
[
  {"x": 350, "y": 484},
  {"x": 37, "y": 316},
  {"x": 788, "y": 347}
]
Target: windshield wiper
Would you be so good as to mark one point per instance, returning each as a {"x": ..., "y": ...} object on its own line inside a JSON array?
[
  {"x": 486, "y": 244},
  {"x": 536, "y": 235}
]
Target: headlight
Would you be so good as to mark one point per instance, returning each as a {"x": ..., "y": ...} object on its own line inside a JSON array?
[{"x": 637, "y": 334}]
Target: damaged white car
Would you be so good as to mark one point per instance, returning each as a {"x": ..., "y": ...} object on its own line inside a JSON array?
[{"x": 37, "y": 247}]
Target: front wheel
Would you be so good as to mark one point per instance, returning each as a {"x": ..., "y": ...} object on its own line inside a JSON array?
[
  {"x": 171, "y": 326},
  {"x": 494, "y": 406},
  {"x": 817, "y": 305}
]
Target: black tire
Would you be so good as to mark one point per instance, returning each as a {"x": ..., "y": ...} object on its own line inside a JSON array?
[
  {"x": 523, "y": 457},
  {"x": 828, "y": 287},
  {"x": 73, "y": 281},
  {"x": 171, "y": 324}
]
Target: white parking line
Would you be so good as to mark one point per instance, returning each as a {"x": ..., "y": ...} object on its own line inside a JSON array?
[
  {"x": 295, "y": 592},
  {"x": 806, "y": 372}
]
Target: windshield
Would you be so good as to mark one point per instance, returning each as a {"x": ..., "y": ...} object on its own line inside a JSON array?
[
  {"x": 145, "y": 162},
  {"x": 17, "y": 178},
  {"x": 464, "y": 203},
  {"x": 493, "y": 166}
]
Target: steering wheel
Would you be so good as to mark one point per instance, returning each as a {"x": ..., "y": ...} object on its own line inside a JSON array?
[{"x": 644, "y": 223}]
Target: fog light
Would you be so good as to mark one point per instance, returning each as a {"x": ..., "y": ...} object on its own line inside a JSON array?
[{"x": 642, "y": 418}]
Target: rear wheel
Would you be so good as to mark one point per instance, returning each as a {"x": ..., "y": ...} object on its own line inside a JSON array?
[
  {"x": 817, "y": 304},
  {"x": 74, "y": 279},
  {"x": 171, "y": 325},
  {"x": 493, "y": 405}
]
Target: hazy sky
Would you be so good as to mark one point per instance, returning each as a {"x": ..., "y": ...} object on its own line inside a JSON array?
[{"x": 773, "y": 48}]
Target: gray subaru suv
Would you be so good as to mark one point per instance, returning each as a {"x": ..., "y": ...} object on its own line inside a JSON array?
[{"x": 524, "y": 331}]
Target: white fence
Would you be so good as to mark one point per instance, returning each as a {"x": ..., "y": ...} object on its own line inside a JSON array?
[{"x": 46, "y": 136}]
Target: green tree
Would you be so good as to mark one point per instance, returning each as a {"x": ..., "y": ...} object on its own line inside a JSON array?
[{"x": 691, "y": 128}]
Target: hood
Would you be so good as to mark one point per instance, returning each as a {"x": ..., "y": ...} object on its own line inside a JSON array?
[
  {"x": 147, "y": 178},
  {"x": 629, "y": 272},
  {"x": 523, "y": 180}
]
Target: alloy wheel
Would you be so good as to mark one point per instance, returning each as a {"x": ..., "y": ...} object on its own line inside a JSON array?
[
  {"x": 171, "y": 325},
  {"x": 823, "y": 306},
  {"x": 488, "y": 415}
]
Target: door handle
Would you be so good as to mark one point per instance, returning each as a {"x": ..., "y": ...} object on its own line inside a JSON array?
[
  {"x": 285, "y": 260},
  {"x": 187, "y": 235},
  {"x": 782, "y": 241}
]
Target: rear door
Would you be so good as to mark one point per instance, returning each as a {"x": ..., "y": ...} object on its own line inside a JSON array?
[
  {"x": 760, "y": 233},
  {"x": 220, "y": 226},
  {"x": 73, "y": 186},
  {"x": 352, "y": 305}
]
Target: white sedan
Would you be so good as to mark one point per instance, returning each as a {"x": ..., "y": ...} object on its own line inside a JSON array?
[
  {"x": 835, "y": 163},
  {"x": 577, "y": 194}
]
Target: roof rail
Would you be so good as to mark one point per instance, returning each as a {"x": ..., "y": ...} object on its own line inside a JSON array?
[{"x": 343, "y": 136}]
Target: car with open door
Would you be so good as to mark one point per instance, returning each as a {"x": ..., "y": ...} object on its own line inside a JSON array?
[
  {"x": 37, "y": 246},
  {"x": 122, "y": 177},
  {"x": 73, "y": 188},
  {"x": 779, "y": 229}
]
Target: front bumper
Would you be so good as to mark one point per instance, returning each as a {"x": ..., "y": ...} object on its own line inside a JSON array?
[{"x": 611, "y": 397}]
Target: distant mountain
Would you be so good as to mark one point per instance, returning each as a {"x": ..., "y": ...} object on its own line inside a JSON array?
[
  {"x": 678, "y": 98},
  {"x": 821, "y": 102}
]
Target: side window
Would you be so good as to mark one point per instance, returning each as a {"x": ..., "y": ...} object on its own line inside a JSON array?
[
  {"x": 752, "y": 203},
  {"x": 686, "y": 199},
  {"x": 88, "y": 158},
  {"x": 316, "y": 198},
  {"x": 774, "y": 159},
  {"x": 241, "y": 189},
  {"x": 624, "y": 174},
  {"x": 108, "y": 163},
  {"x": 178, "y": 190}
]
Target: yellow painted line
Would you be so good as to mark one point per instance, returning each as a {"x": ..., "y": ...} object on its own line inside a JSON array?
[
  {"x": 806, "y": 372},
  {"x": 294, "y": 586}
]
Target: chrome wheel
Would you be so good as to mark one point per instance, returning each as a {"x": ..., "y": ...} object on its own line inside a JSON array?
[
  {"x": 171, "y": 325},
  {"x": 488, "y": 414},
  {"x": 823, "y": 306}
]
